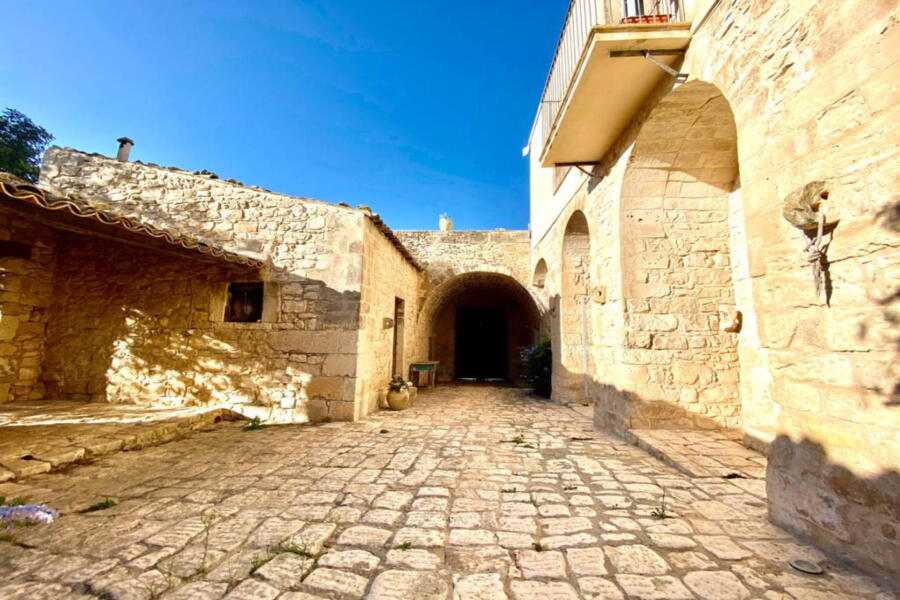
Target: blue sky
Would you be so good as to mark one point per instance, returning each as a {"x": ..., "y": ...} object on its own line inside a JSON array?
[{"x": 413, "y": 107}]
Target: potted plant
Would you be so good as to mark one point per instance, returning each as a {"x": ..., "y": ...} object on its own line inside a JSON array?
[
  {"x": 538, "y": 363},
  {"x": 398, "y": 394},
  {"x": 445, "y": 223}
]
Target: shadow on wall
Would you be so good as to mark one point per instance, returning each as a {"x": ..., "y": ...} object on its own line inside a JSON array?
[
  {"x": 853, "y": 517},
  {"x": 140, "y": 330},
  {"x": 889, "y": 218}
]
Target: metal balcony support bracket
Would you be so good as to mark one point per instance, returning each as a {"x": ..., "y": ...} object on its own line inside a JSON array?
[
  {"x": 580, "y": 166},
  {"x": 649, "y": 55}
]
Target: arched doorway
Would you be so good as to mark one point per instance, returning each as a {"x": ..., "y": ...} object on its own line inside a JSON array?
[
  {"x": 677, "y": 222},
  {"x": 572, "y": 382},
  {"x": 476, "y": 325}
]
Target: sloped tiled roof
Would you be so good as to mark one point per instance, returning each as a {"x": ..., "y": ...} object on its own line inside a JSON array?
[{"x": 15, "y": 189}]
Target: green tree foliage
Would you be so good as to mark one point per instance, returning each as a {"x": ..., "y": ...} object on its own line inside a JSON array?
[
  {"x": 538, "y": 362},
  {"x": 22, "y": 143}
]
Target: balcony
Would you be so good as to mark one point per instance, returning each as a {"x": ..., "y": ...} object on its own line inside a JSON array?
[{"x": 601, "y": 74}]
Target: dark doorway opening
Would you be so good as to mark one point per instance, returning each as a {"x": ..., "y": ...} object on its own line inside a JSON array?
[
  {"x": 397, "y": 360},
  {"x": 481, "y": 344}
]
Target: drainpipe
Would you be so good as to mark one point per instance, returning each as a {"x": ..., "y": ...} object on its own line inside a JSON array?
[{"x": 583, "y": 300}]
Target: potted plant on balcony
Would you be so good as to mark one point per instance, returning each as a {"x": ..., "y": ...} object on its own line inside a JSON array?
[{"x": 398, "y": 394}]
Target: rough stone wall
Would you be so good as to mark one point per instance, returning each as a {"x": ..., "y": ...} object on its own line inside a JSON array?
[
  {"x": 446, "y": 255},
  {"x": 314, "y": 249},
  {"x": 834, "y": 469},
  {"x": 819, "y": 380},
  {"x": 25, "y": 292},
  {"x": 387, "y": 275},
  {"x": 598, "y": 199},
  {"x": 573, "y": 379},
  {"x": 129, "y": 325},
  {"x": 676, "y": 262}
]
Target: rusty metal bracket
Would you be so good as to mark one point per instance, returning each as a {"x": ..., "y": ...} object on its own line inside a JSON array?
[{"x": 649, "y": 55}]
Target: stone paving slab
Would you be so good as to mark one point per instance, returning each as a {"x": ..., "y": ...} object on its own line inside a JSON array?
[
  {"x": 702, "y": 453},
  {"x": 472, "y": 494},
  {"x": 41, "y": 436}
]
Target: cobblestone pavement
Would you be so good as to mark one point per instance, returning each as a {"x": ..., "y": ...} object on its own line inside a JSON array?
[{"x": 473, "y": 494}]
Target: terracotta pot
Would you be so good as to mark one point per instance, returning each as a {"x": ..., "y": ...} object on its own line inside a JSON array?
[{"x": 398, "y": 400}]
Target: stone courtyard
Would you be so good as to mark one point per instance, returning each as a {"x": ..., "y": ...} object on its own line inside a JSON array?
[
  {"x": 709, "y": 282},
  {"x": 475, "y": 493}
]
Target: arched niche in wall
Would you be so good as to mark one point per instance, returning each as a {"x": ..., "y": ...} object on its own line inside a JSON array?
[
  {"x": 540, "y": 274},
  {"x": 677, "y": 261},
  {"x": 574, "y": 347}
]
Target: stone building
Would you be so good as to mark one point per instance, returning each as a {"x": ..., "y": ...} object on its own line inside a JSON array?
[
  {"x": 337, "y": 303},
  {"x": 680, "y": 163},
  {"x": 713, "y": 246}
]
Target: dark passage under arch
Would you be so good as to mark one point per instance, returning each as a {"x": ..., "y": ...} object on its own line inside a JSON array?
[{"x": 477, "y": 324}]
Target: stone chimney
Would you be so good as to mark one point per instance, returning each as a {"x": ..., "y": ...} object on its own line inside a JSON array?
[{"x": 125, "y": 145}]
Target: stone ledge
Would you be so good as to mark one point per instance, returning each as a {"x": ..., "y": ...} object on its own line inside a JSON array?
[
  {"x": 702, "y": 453},
  {"x": 54, "y": 437}
]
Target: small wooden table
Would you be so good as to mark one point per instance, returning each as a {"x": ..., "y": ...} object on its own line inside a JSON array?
[{"x": 425, "y": 373}]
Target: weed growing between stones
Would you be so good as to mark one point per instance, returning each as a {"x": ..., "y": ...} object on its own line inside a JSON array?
[
  {"x": 404, "y": 546},
  {"x": 660, "y": 512},
  {"x": 285, "y": 546},
  {"x": 108, "y": 503},
  {"x": 254, "y": 424},
  {"x": 17, "y": 501}
]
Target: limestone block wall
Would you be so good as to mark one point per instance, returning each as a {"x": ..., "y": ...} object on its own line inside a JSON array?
[
  {"x": 449, "y": 257},
  {"x": 387, "y": 276},
  {"x": 676, "y": 262},
  {"x": 314, "y": 251},
  {"x": 25, "y": 292},
  {"x": 129, "y": 325},
  {"x": 816, "y": 378},
  {"x": 834, "y": 464},
  {"x": 445, "y": 254},
  {"x": 598, "y": 200}
]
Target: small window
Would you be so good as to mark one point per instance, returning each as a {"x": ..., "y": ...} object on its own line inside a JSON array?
[
  {"x": 14, "y": 250},
  {"x": 245, "y": 302}
]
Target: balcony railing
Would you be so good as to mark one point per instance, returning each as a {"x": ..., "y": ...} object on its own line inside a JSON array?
[{"x": 582, "y": 17}]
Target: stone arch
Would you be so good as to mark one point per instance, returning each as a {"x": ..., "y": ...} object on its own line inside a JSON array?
[
  {"x": 481, "y": 294},
  {"x": 540, "y": 274},
  {"x": 571, "y": 380},
  {"x": 676, "y": 230}
]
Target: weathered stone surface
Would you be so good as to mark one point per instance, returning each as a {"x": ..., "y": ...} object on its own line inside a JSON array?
[
  {"x": 537, "y": 565},
  {"x": 534, "y": 590},
  {"x": 636, "y": 559},
  {"x": 258, "y": 508},
  {"x": 334, "y": 580},
  {"x": 586, "y": 561},
  {"x": 400, "y": 585},
  {"x": 482, "y": 586},
  {"x": 716, "y": 585}
]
